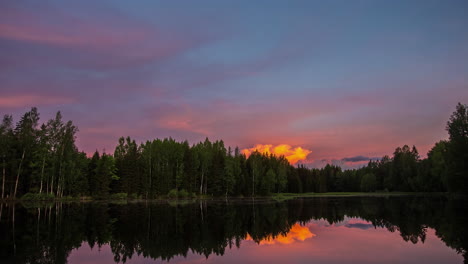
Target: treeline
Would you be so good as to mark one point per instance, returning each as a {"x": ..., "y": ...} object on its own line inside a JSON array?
[
  {"x": 404, "y": 172},
  {"x": 43, "y": 161},
  {"x": 444, "y": 169},
  {"x": 161, "y": 167}
]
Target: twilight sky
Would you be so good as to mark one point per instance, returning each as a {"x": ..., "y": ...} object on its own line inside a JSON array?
[{"x": 347, "y": 80}]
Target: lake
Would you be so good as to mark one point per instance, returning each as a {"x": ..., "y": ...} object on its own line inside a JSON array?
[{"x": 394, "y": 229}]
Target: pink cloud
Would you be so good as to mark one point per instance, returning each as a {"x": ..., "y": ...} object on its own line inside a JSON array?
[
  {"x": 28, "y": 100},
  {"x": 333, "y": 129},
  {"x": 113, "y": 41}
]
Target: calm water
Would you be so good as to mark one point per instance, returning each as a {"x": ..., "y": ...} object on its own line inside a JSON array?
[{"x": 313, "y": 230}]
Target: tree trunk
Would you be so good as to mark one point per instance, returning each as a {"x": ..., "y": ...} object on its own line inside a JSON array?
[
  {"x": 14, "y": 236},
  {"x": 42, "y": 173},
  {"x": 18, "y": 174},
  {"x": 60, "y": 180},
  {"x": 205, "y": 187},
  {"x": 52, "y": 182},
  {"x": 57, "y": 191},
  {"x": 201, "y": 211},
  {"x": 177, "y": 176},
  {"x": 253, "y": 182},
  {"x": 38, "y": 222},
  {"x": 3, "y": 178},
  {"x": 63, "y": 186},
  {"x": 149, "y": 224},
  {"x": 150, "y": 176},
  {"x": 201, "y": 184}
]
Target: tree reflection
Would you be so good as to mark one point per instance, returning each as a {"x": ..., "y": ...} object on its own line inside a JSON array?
[{"x": 47, "y": 233}]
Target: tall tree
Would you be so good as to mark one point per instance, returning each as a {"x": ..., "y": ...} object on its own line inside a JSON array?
[
  {"x": 204, "y": 157},
  {"x": 6, "y": 140},
  {"x": 457, "y": 127},
  {"x": 92, "y": 174},
  {"x": 105, "y": 174},
  {"x": 232, "y": 171},
  {"x": 25, "y": 131},
  {"x": 282, "y": 174},
  {"x": 67, "y": 168},
  {"x": 404, "y": 167},
  {"x": 256, "y": 169},
  {"x": 127, "y": 160},
  {"x": 42, "y": 152},
  {"x": 55, "y": 130}
]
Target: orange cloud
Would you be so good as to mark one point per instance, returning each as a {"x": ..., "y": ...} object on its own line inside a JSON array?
[
  {"x": 293, "y": 155},
  {"x": 297, "y": 233}
]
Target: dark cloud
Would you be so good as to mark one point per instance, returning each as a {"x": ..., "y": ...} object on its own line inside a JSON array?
[
  {"x": 359, "y": 159},
  {"x": 360, "y": 226}
]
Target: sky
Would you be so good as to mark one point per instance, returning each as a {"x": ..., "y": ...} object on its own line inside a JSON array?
[{"x": 344, "y": 81}]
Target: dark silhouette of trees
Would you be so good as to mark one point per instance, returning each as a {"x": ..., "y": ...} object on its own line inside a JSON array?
[
  {"x": 457, "y": 149},
  {"x": 6, "y": 140},
  {"x": 368, "y": 183},
  {"x": 43, "y": 160}
]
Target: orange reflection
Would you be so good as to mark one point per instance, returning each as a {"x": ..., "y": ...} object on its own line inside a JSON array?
[
  {"x": 293, "y": 155},
  {"x": 297, "y": 233}
]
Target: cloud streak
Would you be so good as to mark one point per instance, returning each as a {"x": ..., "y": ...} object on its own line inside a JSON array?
[
  {"x": 359, "y": 159},
  {"x": 22, "y": 100},
  {"x": 111, "y": 41}
]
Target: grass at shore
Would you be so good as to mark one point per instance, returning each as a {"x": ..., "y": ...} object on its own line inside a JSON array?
[
  {"x": 288, "y": 196},
  {"x": 275, "y": 196}
]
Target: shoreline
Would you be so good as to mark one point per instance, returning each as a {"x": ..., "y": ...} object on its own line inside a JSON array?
[{"x": 273, "y": 197}]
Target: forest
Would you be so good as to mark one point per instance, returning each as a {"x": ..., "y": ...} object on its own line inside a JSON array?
[{"x": 42, "y": 161}]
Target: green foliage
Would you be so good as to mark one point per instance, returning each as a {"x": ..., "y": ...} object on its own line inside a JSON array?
[
  {"x": 104, "y": 173},
  {"x": 178, "y": 194},
  {"x": 37, "y": 197},
  {"x": 69, "y": 198},
  {"x": 134, "y": 196},
  {"x": 183, "y": 194},
  {"x": 268, "y": 182},
  {"x": 457, "y": 150},
  {"x": 172, "y": 193},
  {"x": 118, "y": 196},
  {"x": 368, "y": 183},
  {"x": 127, "y": 157}
]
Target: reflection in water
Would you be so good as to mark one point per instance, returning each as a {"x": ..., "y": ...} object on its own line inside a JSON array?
[
  {"x": 331, "y": 230},
  {"x": 296, "y": 233}
]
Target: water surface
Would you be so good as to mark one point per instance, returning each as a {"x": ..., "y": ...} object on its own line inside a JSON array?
[{"x": 407, "y": 229}]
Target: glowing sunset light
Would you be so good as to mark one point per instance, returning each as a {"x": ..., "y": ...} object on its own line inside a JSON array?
[
  {"x": 293, "y": 155},
  {"x": 297, "y": 233},
  {"x": 135, "y": 69}
]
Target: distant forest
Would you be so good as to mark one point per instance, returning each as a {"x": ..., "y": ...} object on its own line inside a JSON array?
[{"x": 41, "y": 161}]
